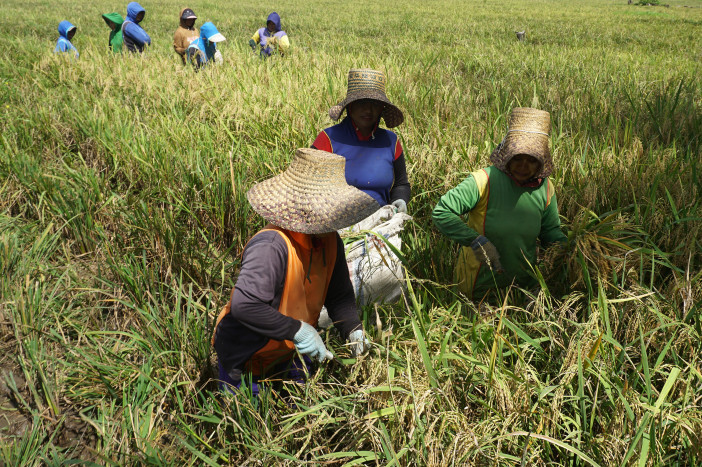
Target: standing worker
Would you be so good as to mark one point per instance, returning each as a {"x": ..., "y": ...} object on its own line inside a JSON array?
[
  {"x": 114, "y": 21},
  {"x": 289, "y": 270},
  {"x": 375, "y": 161},
  {"x": 135, "y": 38},
  {"x": 66, "y": 32},
  {"x": 510, "y": 205},
  {"x": 186, "y": 33},
  {"x": 271, "y": 39}
]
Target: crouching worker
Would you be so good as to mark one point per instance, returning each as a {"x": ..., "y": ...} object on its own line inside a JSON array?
[
  {"x": 186, "y": 32},
  {"x": 203, "y": 50},
  {"x": 289, "y": 270},
  {"x": 66, "y": 32},
  {"x": 270, "y": 39}
]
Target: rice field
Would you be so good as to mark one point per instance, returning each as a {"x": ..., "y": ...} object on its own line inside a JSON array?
[{"x": 123, "y": 216}]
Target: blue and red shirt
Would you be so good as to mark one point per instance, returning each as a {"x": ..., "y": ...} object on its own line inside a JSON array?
[{"x": 370, "y": 161}]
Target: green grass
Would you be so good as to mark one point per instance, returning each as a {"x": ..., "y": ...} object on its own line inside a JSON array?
[{"x": 123, "y": 216}]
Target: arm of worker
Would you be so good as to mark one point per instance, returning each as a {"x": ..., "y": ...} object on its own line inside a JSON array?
[
  {"x": 283, "y": 44},
  {"x": 551, "y": 225},
  {"x": 180, "y": 45},
  {"x": 454, "y": 204},
  {"x": 136, "y": 33},
  {"x": 340, "y": 300},
  {"x": 255, "y": 39},
  {"x": 322, "y": 142},
  {"x": 259, "y": 288},
  {"x": 401, "y": 187}
]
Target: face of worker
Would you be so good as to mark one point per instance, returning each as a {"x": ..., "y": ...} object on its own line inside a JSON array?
[
  {"x": 365, "y": 113},
  {"x": 190, "y": 22},
  {"x": 270, "y": 25},
  {"x": 140, "y": 16},
  {"x": 112, "y": 25},
  {"x": 71, "y": 33},
  {"x": 523, "y": 167}
]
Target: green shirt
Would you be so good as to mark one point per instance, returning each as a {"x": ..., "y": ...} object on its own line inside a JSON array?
[
  {"x": 512, "y": 217},
  {"x": 115, "y": 41}
]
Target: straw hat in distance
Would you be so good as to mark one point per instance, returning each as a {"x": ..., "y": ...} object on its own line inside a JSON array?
[
  {"x": 364, "y": 83},
  {"x": 527, "y": 133},
  {"x": 312, "y": 195}
]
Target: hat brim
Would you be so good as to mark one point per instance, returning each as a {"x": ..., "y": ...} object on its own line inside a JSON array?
[
  {"x": 534, "y": 145},
  {"x": 392, "y": 115},
  {"x": 311, "y": 196},
  {"x": 217, "y": 38}
]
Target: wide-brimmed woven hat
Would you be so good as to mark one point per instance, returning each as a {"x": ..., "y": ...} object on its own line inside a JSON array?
[
  {"x": 365, "y": 83},
  {"x": 527, "y": 133},
  {"x": 312, "y": 195}
]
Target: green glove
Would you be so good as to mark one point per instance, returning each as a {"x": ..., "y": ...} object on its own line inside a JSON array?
[{"x": 252, "y": 44}]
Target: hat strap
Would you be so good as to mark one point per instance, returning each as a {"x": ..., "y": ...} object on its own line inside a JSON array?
[{"x": 529, "y": 131}]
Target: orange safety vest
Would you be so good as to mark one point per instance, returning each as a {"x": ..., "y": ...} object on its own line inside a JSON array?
[{"x": 307, "y": 278}]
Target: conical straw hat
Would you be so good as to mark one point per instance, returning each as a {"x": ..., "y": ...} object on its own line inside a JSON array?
[
  {"x": 312, "y": 195},
  {"x": 528, "y": 133},
  {"x": 364, "y": 83}
]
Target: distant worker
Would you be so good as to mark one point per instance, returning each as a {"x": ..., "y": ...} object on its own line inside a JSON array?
[
  {"x": 270, "y": 39},
  {"x": 509, "y": 205},
  {"x": 203, "y": 50},
  {"x": 185, "y": 34},
  {"x": 135, "y": 38},
  {"x": 66, "y": 32},
  {"x": 114, "y": 21}
]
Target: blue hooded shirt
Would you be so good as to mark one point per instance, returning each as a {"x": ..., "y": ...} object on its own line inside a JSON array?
[
  {"x": 264, "y": 34},
  {"x": 135, "y": 38},
  {"x": 275, "y": 17},
  {"x": 63, "y": 44},
  {"x": 204, "y": 45}
]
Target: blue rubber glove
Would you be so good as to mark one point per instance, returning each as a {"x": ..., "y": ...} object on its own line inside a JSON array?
[
  {"x": 308, "y": 342},
  {"x": 359, "y": 342},
  {"x": 486, "y": 253},
  {"x": 399, "y": 205}
]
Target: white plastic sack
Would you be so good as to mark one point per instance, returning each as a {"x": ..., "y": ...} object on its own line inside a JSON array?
[{"x": 375, "y": 271}]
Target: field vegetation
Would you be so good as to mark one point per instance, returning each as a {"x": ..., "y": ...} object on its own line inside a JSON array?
[{"x": 123, "y": 216}]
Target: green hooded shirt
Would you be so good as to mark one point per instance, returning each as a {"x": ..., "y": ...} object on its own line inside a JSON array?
[{"x": 115, "y": 41}]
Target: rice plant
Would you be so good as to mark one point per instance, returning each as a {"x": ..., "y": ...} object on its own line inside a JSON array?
[{"x": 123, "y": 216}]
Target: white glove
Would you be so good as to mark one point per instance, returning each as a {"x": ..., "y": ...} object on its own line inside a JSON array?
[
  {"x": 399, "y": 205},
  {"x": 308, "y": 342},
  {"x": 218, "y": 58},
  {"x": 359, "y": 342}
]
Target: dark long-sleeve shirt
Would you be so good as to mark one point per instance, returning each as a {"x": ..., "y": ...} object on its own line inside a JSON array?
[{"x": 254, "y": 317}]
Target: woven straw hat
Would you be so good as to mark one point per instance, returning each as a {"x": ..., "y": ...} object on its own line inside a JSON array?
[
  {"x": 312, "y": 195},
  {"x": 365, "y": 83},
  {"x": 528, "y": 133}
]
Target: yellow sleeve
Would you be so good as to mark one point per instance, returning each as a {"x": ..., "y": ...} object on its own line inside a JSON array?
[
  {"x": 256, "y": 38},
  {"x": 284, "y": 44}
]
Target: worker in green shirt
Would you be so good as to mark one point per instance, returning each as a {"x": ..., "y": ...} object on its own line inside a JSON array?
[
  {"x": 509, "y": 205},
  {"x": 114, "y": 22}
]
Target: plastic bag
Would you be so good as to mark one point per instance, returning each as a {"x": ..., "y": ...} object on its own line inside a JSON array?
[{"x": 375, "y": 270}]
